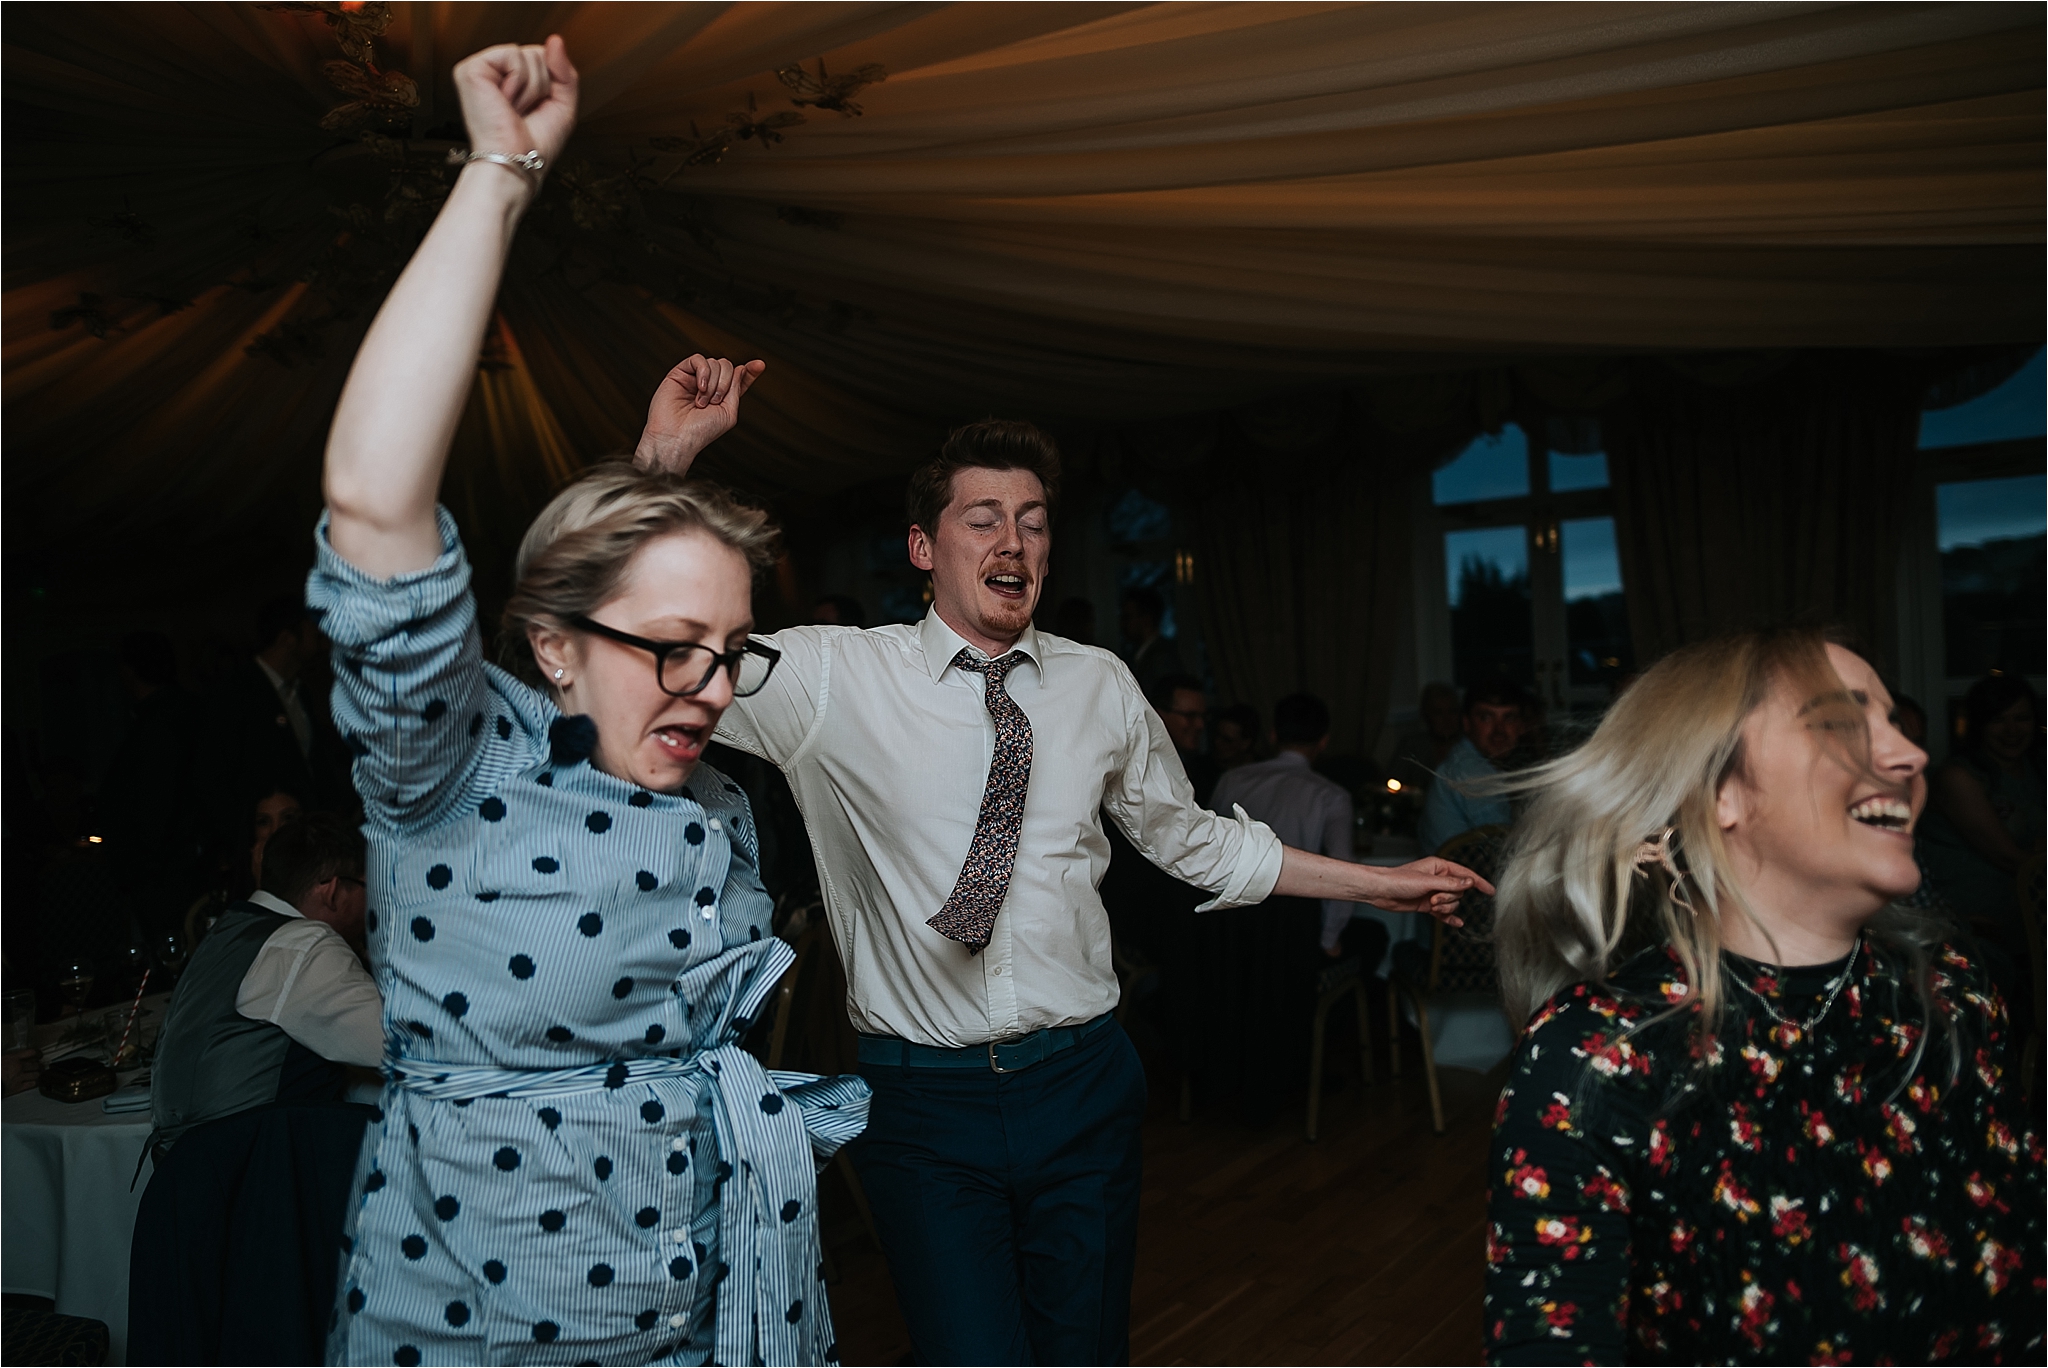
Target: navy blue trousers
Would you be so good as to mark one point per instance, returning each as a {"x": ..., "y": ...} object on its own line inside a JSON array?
[{"x": 1008, "y": 1203}]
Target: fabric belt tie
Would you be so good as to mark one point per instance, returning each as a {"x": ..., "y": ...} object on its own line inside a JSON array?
[
  {"x": 769, "y": 1151},
  {"x": 1001, "y": 1056}
]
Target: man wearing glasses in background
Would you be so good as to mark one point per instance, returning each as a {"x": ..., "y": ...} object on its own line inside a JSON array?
[{"x": 275, "y": 1002}]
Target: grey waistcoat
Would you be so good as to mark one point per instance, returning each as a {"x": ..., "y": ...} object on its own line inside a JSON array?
[{"x": 211, "y": 1061}]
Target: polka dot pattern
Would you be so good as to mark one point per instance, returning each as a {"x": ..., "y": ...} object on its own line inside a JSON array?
[{"x": 533, "y": 913}]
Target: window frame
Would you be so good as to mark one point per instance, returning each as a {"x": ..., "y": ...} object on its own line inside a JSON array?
[
  {"x": 1922, "y": 627},
  {"x": 1541, "y": 513}
]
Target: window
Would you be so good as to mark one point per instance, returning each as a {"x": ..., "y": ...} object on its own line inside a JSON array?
[
  {"x": 1991, "y": 535},
  {"x": 1530, "y": 582},
  {"x": 2014, "y": 410}
]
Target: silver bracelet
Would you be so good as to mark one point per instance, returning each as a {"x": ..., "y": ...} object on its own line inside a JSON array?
[{"x": 531, "y": 163}]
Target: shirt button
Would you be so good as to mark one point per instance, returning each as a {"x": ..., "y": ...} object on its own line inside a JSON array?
[
  {"x": 679, "y": 1236},
  {"x": 676, "y": 1321},
  {"x": 678, "y": 1144},
  {"x": 709, "y": 913},
  {"x": 715, "y": 826}
]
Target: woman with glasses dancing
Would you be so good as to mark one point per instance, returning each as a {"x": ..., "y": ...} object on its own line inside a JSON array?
[
  {"x": 1762, "y": 1113},
  {"x": 576, "y": 1161}
]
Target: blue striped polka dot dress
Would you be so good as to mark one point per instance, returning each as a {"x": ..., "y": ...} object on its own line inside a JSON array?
[{"x": 575, "y": 1162}]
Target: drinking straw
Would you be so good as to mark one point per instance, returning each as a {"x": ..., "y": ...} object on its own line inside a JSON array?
[{"x": 134, "y": 1009}]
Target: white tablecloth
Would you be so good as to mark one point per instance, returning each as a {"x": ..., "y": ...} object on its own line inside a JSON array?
[
  {"x": 1468, "y": 1032},
  {"x": 67, "y": 1210},
  {"x": 66, "y": 1213}
]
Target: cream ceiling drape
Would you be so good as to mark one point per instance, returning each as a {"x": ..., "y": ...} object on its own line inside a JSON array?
[{"x": 1102, "y": 212}]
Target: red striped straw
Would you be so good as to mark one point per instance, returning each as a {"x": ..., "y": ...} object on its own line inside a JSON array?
[{"x": 134, "y": 1010}]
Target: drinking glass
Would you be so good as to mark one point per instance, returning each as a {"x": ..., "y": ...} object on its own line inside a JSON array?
[
  {"x": 21, "y": 1020},
  {"x": 74, "y": 985},
  {"x": 171, "y": 953}
]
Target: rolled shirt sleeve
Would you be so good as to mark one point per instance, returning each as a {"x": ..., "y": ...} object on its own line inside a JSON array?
[
  {"x": 308, "y": 983},
  {"x": 1234, "y": 858}
]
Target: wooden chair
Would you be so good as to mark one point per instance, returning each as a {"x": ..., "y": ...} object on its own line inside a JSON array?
[
  {"x": 1332, "y": 984},
  {"x": 2029, "y": 881},
  {"x": 803, "y": 979},
  {"x": 1461, "y": 959}
]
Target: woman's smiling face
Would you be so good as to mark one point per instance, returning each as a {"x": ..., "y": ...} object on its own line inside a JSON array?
[{"x": 1806, "y": 818}]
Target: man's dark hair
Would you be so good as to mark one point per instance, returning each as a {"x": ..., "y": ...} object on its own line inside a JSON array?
[
  {"x": 1300, "y": 720},
  {"x": 150, "y": 657},
  {"x": 307, "y": 851},
  {"x": 1497, "y": 692},
  {"x": 1243, "y": 716},
  {"x": 991, "y": 444},
  {"x": 1160, "y": 695},
  {"x": 281, "y": 614}
]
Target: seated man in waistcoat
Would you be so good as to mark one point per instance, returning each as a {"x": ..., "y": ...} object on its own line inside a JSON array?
[{"x": 275, "y": 1001}]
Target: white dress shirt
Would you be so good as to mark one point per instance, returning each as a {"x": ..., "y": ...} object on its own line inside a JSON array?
[
  {"x": 887, "y": 749},
  {"x": 307, "y": 982},
  {"x": 1305, "y": 810}
]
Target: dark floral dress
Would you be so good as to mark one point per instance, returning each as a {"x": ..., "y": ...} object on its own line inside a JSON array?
[{"x": 1801, "y": 1200}]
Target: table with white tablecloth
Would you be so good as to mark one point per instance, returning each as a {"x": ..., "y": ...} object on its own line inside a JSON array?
[
  {"x": 1466, "y": 1032},
  {"x": 68, "y": 1196}
]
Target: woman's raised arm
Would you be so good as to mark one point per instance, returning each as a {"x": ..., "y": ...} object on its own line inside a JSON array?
[{"x": 411, "y": 378}]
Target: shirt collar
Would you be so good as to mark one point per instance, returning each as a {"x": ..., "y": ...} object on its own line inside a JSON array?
[
  {"x": 1290, "y": 759},
  {"x": 941, "y": 643},
  {"x": 270, "y": 902}
]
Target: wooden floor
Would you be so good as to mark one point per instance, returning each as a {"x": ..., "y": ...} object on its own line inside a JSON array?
[{"x": 1366, "y": 1246}]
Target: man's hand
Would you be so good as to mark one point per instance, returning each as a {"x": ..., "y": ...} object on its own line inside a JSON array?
[
  {"x": 1433, "y": 886},
  {"x": 696, "y": 403}
]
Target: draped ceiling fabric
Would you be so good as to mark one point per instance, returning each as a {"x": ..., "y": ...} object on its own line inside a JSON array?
[{"x": 1075, "y": 212}]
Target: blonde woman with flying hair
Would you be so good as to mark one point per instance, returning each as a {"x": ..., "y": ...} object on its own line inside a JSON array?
[
  {"x": 1760, "y": 1112},
  {"x": 575, "y": 1161}
]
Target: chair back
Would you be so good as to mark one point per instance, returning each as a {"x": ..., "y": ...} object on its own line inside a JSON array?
[{"x": 1461, "y": 958}]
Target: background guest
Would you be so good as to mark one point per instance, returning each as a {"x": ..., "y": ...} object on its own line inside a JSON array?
[
  {"x": 1150, "y": 655},
  {"x": 1426, "y": 745},
  {"x": 1250, "y": 986},
  {"x": 1304, "y": 808},
  {"x": 276, "y": 1001},
  {"x": 1495, "y": 721},
  {"x": 1184, "y": 708},
  {"x": 1233, "y": 736},
  {"x": 268, "y": 723},
  {"x": 1984, "y": 818}
]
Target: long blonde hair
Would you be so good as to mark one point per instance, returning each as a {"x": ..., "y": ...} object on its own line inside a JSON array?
[{"x": 1619, "y": 845}]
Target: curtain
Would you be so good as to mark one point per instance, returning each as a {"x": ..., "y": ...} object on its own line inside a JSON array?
[
  {"x": 1303, "y": 565},
  {"x": 1778, "y": 500}
]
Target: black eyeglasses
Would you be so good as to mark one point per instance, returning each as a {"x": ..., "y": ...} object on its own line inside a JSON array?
[{"x": 686, "y": 668}]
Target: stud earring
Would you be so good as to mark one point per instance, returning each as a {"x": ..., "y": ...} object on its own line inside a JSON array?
[{"x": 558, "y": 674}]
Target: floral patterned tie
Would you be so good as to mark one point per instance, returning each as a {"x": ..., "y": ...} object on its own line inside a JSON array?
[{"x": 969, "y": 915}]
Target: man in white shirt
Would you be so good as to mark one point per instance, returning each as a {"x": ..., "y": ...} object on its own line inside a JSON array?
[
  {"x": 275, "y": 1002},
  {"x": 953, "y": 775},
  {"x": 1257, "y": 979}
]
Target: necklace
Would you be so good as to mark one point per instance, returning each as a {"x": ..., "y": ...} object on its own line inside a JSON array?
[{"x": 1802, "y": 1027}]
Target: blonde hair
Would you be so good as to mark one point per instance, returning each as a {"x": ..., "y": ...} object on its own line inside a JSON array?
[
  {"x": 1620, "y": 846},
  {"x": 575, "y": 555}
]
